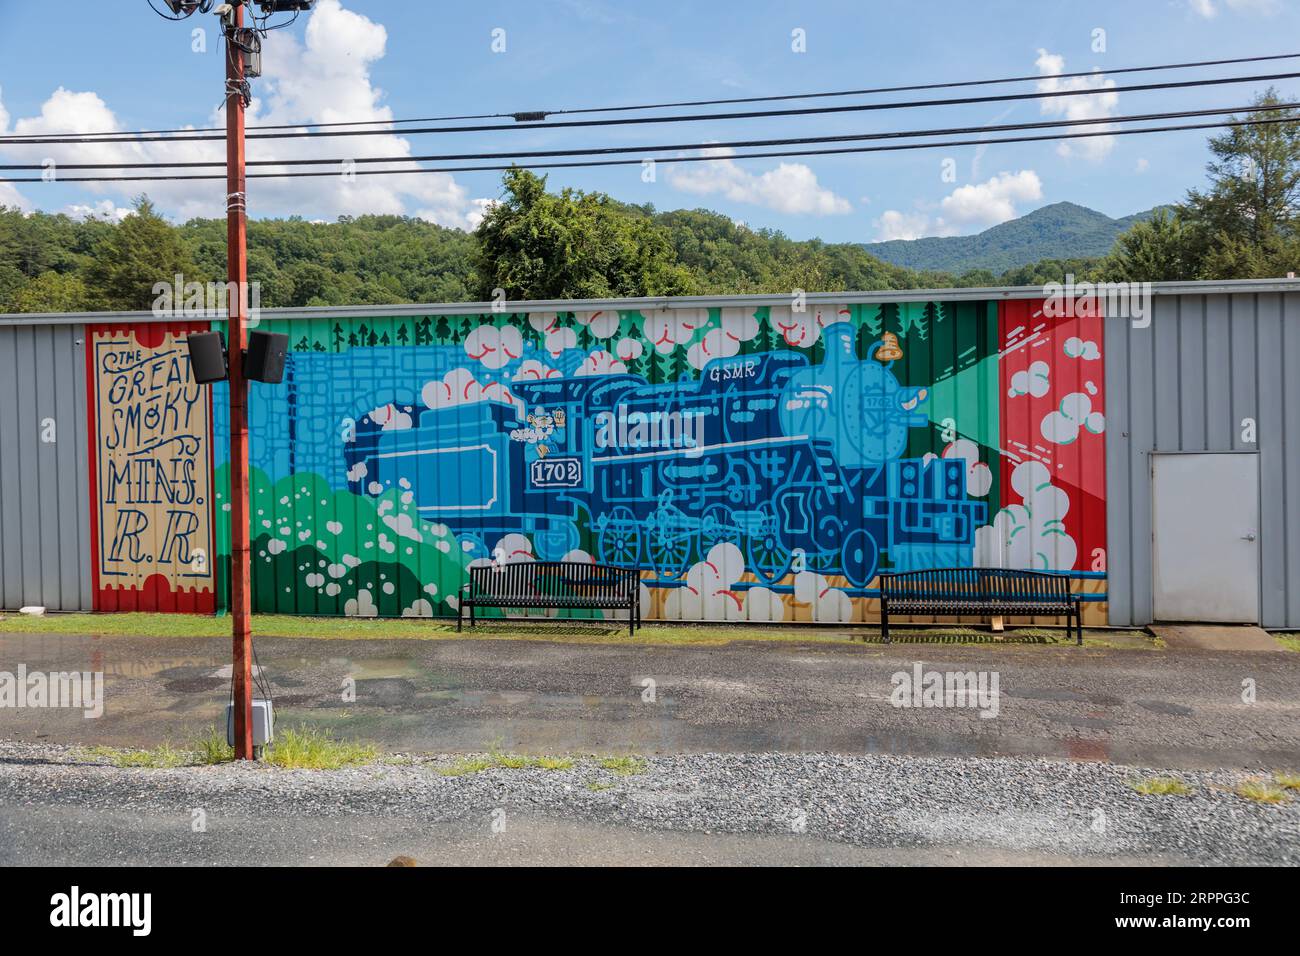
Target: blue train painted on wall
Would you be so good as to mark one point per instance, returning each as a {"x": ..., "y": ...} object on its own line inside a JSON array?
[{"x": 799, "y": 465}]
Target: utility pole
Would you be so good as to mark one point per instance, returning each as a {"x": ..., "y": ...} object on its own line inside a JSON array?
[
  {"x": 212, "y": 361},
  {"x": 236, "y": 303}
]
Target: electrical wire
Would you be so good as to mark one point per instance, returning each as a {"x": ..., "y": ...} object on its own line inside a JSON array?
[
  {"x": 734, "y": 144},
  {"x": 956, "y": 84},
  {"x": 671, "y": 159},
  {"x": 686, "y": 118}
]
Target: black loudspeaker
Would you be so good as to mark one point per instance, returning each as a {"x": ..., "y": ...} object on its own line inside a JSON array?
[
  {"x": 207, "y": 357},
  {"x": 264, "y": 360}
]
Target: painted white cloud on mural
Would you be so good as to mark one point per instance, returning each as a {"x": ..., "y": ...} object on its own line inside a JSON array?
[
  {"x": 390, "y": 418},
  {"x": 601, "y": 362},
  {"x": 828, "y": 603},
  {"x": 1031, "y": 534},
  {"x": 1075, "y": 414},
  {"x": 668, "y": 328},
  {"x": 735, "y": 325},
  {"x": 707, "y": 592},
  {"x": 460, "y": 387},
  {"x": 493, "y": 346},
  {"x": 602, "y": 324},
  {"x": 979, "y": 476},
  {"x": 1035, "y": 381},
  {"x": 532, "y": 370},
  {"x": 1076, "y": 347},
  {"x": 803, "y": 329}
]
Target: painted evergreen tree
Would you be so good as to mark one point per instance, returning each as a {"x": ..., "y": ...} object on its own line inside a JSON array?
[
  {"x": 337, "y": 337},
  {"x": 403, "y": 337},
  {"x": 423, "y": 331}
]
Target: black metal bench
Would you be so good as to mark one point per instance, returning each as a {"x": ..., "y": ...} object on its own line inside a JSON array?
[
  {"x": 978, "y": 592},
  {"x": 552, "y": 584}
]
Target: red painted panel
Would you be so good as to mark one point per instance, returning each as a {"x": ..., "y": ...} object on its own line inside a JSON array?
[{"x": 1052, "y": 374}]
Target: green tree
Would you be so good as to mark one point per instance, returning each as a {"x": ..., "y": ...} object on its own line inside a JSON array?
[
  {"x": 540, "y": 245},
  {"x": 1158, "y": 250},
  {"x": 51, "y": 292},
  {"x": 141, "y": 251}
]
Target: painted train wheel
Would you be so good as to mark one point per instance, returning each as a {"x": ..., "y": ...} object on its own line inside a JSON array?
[
  {"x": 717, "y": 525},
  {"x": 859, "y": 557},
  {"x": 769, "y": 558},
  {"x": 620, "y": 539},
  {"x": 670, "y": 550}
]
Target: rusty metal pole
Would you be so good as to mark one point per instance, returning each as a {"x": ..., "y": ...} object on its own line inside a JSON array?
[{"x": 236, "y": 304}]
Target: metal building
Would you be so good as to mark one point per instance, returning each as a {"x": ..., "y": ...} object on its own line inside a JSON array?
[{"x": 756, "y": 460}]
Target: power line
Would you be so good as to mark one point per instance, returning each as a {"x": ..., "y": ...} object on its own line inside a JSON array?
[
  {"x": 955, "y": 84},
  {"x": 734, "y": 144},
  {"x": 687, "y": 118},
  {"x": 669, "y": 159}
]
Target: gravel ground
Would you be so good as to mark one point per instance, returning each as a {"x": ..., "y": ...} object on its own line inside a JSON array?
[{"x": 59, "y": 806}]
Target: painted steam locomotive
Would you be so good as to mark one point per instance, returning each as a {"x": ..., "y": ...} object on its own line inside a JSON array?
[{"x": 798, "y": 465}]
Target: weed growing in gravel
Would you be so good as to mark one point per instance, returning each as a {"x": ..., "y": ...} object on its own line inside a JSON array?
[
  {"x": 554, "y": 763},
  {"x": 307, "y": 748},
  {"x": 1287, "y": 781},
  {"x": 1161, "y": 787},
  {"x": 1261, "y": 791},
  {"x": 597, "y": 786},
  {"x": 623, "y": 766},
  {"x": 467, "y": 765},
  {"x": 212, "y": 748},
  {"x": 162, "y": 757},
  {"x": 500, "y": 761}
]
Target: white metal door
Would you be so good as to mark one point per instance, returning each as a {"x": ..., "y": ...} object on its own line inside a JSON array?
[{"x": 1206, "y": 523}]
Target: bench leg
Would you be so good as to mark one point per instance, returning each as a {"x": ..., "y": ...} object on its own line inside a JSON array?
[
  {"x": 1078, "y": 624},
  {"x": 471, "y": 615},
  {"x": 460, "y": 615},
  {"x": 884, "y": 621}
]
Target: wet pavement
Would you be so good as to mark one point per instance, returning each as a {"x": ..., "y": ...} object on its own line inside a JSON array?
[{"x": 1186, "y": 709}]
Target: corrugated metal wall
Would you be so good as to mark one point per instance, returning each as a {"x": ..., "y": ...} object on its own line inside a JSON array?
[
  {"x": 44, "y": 490},
  {"x": 1185, "y": 384}
]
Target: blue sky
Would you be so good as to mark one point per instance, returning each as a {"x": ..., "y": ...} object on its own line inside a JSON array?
[{"x": 75, "y": 65}]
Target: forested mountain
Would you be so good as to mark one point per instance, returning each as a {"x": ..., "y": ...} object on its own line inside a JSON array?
[{"x": 1062, "y": 230}]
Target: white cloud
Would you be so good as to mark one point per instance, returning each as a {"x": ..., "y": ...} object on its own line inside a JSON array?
[
  {"x": 1142, "y": 165},
  {"x": 789, "y": 188},
  {"x": 973, "y": 206},
  {"x": 104, "y": 209},
  {"x": 989, "y": 203},
  {"x": 323, "y": 79},
  {"x": 1208, "y": 10},
  {"x": 892, "y": 224},
  {"x": 1084, "y": 106}
]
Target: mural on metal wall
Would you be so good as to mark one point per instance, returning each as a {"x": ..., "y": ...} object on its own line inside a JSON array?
[
  {"x": 759, "y": 464},
  {"x": 151, "y": 467}
]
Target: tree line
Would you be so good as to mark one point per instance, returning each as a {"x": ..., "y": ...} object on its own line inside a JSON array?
[{"x": 537, "y": 244}]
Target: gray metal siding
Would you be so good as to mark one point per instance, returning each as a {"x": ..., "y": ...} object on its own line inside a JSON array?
[
  {"x": 1184, "y": 385},
  {"x": 44, "y": 490}
]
